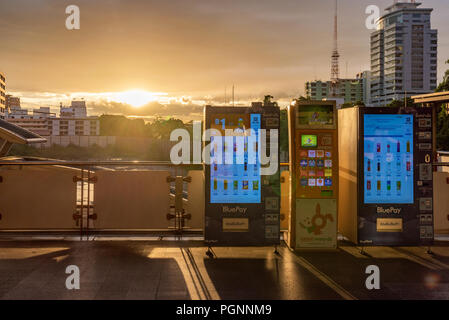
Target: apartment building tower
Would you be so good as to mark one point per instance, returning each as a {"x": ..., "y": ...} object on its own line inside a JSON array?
[{"x": 403, "y": 53}]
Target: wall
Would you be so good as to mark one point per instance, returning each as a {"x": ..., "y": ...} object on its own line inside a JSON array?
[
  {"x": 82, "y": 141},
  {"x": 441, "y": 202}
]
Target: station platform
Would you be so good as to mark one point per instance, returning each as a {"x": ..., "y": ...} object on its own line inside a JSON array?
[{"x": 140, "y": 268}]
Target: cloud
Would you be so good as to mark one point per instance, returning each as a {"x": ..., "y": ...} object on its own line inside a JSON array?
[{"x": 183, "y": 111}]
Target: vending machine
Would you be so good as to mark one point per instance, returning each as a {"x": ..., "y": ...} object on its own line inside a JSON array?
[
  {"x": 313, "y": 145},
  {"x": 242, "y": 203},
  {"x": 386, "y": 176}
]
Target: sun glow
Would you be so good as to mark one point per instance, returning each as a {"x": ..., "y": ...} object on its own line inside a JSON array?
[{"x": 136, "y": 98}]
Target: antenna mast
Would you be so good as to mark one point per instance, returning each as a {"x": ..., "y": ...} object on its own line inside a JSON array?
[{"x": 335, "y": 57}]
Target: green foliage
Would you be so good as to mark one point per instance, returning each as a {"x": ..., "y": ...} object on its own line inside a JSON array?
[
  {"x": 283, "y": 134},
  {"x": 443, "y": 129},
  {"x": 152, "y": 152},
  {"x": 401, "y": 103},
  {"x": 347, "y": 105},
  {"x": 115, "y": 125},
  {"x": 444, "y": 86},
  {"x": 443, "y": 117}
]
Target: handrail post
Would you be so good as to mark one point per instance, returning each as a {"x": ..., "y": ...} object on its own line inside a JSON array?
[
  {"x": 82, "y": 203},
  {"x": 88, "y": 203}
]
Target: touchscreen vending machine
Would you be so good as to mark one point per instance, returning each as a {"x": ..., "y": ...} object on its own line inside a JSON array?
[
  {"x": 242, "y": 203},
  {"x": 313, "y": 145},
  {"x": 386, "y": 175}
]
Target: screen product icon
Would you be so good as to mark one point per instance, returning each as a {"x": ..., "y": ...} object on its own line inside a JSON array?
[
  {"x": 308, "y": 140},
  {"x": 255, "y": 185},
  {"x": 303, "y": 163},
  {"x": 312, "y": 153}
]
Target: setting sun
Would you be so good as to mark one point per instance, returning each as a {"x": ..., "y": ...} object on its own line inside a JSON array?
[{"x": 135, "y": 98}]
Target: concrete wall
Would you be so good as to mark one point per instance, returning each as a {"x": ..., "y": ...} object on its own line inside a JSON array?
[
  {"x": 441, "y": 202},
  {"x": 82, "y": 141},
  {"x": 285, "y": 199}
]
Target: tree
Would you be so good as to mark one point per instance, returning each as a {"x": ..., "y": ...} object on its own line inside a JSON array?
[
  {"x": 401, "y": 103},
  {"x": 444, "y": 86},
  {"x": 443, "y": 129},
  {"x": 443, "y": 117}
]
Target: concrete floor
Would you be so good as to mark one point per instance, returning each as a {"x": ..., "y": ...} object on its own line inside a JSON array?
[{"x": 181, "y": 270}]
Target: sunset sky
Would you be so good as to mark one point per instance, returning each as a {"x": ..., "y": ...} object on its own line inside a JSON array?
[{"x": 180, "y": 54}]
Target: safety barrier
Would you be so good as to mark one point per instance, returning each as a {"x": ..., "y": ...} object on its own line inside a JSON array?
[{"x": 91, "y": 197}]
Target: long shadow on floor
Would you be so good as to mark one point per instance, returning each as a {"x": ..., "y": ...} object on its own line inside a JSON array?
[
  {"x": 400, "y": 278},
  {"x": 108, "y": 270},
  {"x": 265, "y": 279}
]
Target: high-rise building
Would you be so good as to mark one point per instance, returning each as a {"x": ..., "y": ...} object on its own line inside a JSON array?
[
  {"x": 403, "y": 54},
  {"x": 2, "y": 95}
]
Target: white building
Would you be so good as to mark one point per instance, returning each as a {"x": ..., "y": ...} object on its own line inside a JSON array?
[
  {"x": 73, "y": 120},
  {"x": 36, "y": 122},
  {"x": 76, "y": 110},
  {"x": 89, "y": 126},
  {"x": 403, "y": 54}
]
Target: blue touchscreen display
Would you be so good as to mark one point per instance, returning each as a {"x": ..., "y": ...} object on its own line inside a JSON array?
[
  {"x": 236, "y": 179},
  {"x": 388, "y": 159}
]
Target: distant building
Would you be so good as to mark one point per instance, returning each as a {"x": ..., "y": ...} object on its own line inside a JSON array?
[
  {"x": 403, "y": 54},
  {"x": 73, "y": 120},
  {"x": 37, "y": 121},
  {"x": 365, "y": 77},
  {"x": 76, "y": 110},
  {"x": 2, "y": 95},
  {"x": 89, "y": 126},
  {"x": 12, "y": 102},
  {"x": 350, "y": 90}
]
